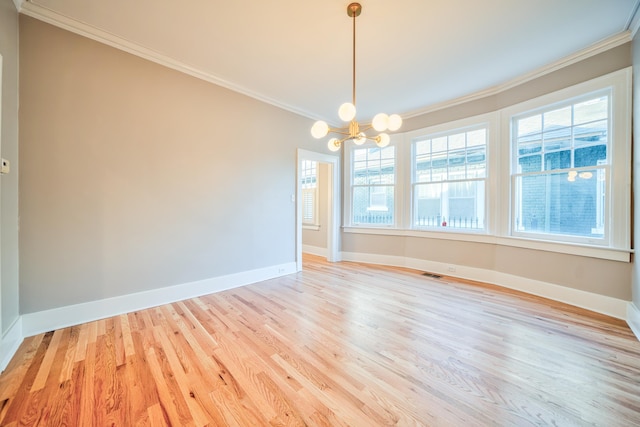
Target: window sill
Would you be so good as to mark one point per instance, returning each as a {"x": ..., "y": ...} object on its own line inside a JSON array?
[
  {"x": 608, "y": 253},
  {"x": 310, "y": 227}
]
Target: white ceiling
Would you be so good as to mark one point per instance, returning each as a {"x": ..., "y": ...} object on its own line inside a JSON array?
[{"x": 412, "y": 55}]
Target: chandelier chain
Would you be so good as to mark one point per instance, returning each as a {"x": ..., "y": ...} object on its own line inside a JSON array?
[{"x": 353, "y": 97}]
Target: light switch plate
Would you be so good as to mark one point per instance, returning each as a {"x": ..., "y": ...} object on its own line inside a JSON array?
[{"x": 6, "y": 167}]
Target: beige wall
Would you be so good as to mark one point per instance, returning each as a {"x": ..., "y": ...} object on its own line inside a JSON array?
[
  {"x": 318, "y": 238},
  {"x": 604, "y": 63},
  {"x": 610, "y": 278},
  {"x": 9, "y": 291},
  {"x": 136, "y": 177}
]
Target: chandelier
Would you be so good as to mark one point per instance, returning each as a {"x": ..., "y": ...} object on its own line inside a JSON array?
[{"x": 347, "y": 112}]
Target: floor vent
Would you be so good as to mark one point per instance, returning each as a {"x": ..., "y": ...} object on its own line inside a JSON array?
[{"x": 432, "y": 275}]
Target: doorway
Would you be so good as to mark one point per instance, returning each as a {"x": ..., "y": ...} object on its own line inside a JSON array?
[{"x": 329, "y": 206}]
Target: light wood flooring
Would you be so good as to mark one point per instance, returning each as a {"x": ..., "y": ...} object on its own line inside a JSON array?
[{"x": 335, "y": 345}]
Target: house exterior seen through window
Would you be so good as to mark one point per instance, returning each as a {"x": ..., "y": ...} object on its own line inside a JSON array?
[
  {"x": 562, "y": 169},
  {"x": 373, "y": 185},
  {"x": 449, "y": 180}
]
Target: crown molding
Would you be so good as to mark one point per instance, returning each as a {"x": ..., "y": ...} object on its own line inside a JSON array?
[
  {"x": 634, "y": 20},
  {"x": 61, "y": 21},
  {"x": 602, "y": 46},
  {"x": 18, "y": 4}
]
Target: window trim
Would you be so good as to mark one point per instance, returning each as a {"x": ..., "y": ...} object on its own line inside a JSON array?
[{"x": 618, "y": 84}]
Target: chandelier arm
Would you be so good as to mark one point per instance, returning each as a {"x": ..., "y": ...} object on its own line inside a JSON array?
[{"x": 340, "y": 131}]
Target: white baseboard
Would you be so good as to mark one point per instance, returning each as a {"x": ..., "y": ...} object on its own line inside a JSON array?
[
  {"x": 633, "y": 319},
  {"x": 47, "y": 320},
  {"x": 315, "y": 250},
  {"x": 595, "y": 302},
  {"x": 9, "y": 343}
]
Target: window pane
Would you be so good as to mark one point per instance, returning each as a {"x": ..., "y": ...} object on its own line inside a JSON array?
[
  {"x": 308, "y": 206},
  {"x": 457, "y": 161},
  {"x": 456, "y": 142},
  {"x": 373, "y": 205},
  {"x": 590, "y": 134},
  {"x": 457, "y": 205},
  {"x": 590, "y": 156},
  {"x": 422, "y": 147},
  {"x": 477, "y": 171},
  {"x": 567, "y": 203},
  {"x": 476, "y": 162},
  {"x": 439, "y": 144},
  {"x": 359, "y": 173},
  {"x": 476, "y": 138},
  {"x": 591, "y": 110},
  {"x": 308, "y": 181},
  {"x": 427, "y": 205},
  {"x": 439, "y": 166},
  {"x": 530, "y": 164},
  {"x": 557, "y": 139},
  {"x": 557, "y": 118},
  {"x": 466, "y": 204},
  {"x": 529, "y": 125},
  {"x": 530, "y": 144},
  {"x": 557, "y": 160}
]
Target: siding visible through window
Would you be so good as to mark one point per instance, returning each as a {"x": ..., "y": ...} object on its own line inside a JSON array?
[{"x": 561, "y": 168}]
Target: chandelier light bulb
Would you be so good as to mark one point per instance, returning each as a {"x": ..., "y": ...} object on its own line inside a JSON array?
[
  {"x": 320, "y": 129},
  {"x": 360, "y": 139},
  {"x": 383, "y": 140},
  {"x": 334, "y": 144},
  {"x": 380, "y": 122},
  {"x": 395, "y": 122},
  {"x": 347, "y": 112}
]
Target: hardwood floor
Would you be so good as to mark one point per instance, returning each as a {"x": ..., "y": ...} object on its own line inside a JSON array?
[{"x": 335, "y": 345}]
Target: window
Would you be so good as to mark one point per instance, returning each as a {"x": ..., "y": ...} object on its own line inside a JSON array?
[
  {"x": 562, "y": 169},
  {"x": 373, "y": 185},
  {"x": 449, "y": 173},
  {"x": 551, "y": 173},
  {"x": 309, "y": 184}
]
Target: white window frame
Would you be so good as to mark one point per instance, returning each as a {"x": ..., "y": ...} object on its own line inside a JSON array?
[
  {"x": 312, "y": 224},
  {"x": 349, "y": 147},
  {"x": 618, "y": 192},
  {"x": 485, "y": 122}
]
